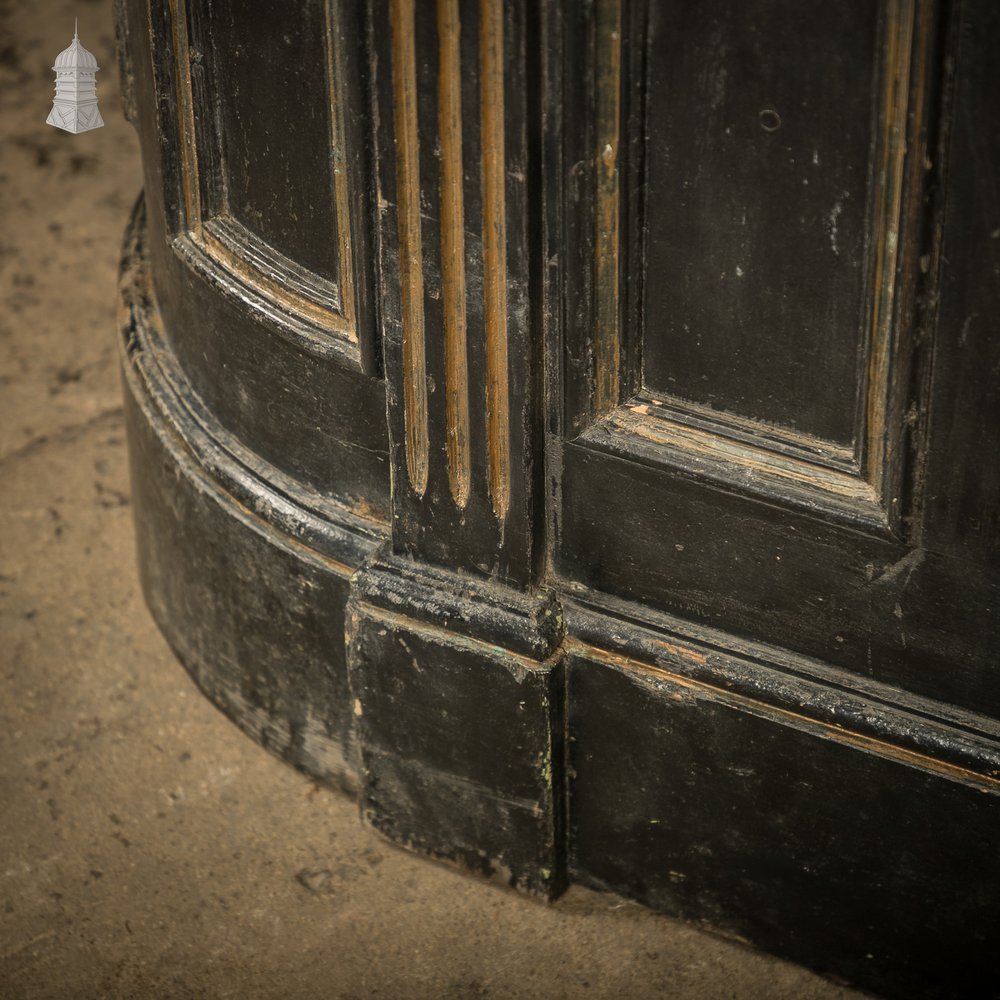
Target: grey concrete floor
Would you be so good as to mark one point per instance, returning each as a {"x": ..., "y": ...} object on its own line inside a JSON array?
[{"x": 147, "y": 848}]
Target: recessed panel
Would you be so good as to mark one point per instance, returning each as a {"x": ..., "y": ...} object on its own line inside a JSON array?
[
  {"x": 275, "y": 126},
  {"x": 761, "y": 125}
]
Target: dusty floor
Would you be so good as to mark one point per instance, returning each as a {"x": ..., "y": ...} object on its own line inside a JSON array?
[{"x": 147, "y": 848}]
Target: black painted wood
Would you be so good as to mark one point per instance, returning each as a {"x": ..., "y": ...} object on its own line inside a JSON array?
[
  {"x": 907, "y": 616},
  {"x": 712, "y": 809},
  {"x": 711, "y": 534},
  {"x": 761, "y": 133},
  {"x": 281, "y": 383},
  {"x": 430, "y": 523},
  {"x": 723, "y": 634},
  {"x": 274, "y": 126},
  {"x": 233, "y": 560},
  {"x": 458, "y": 699},
  {"x": 962, "y": 477}
]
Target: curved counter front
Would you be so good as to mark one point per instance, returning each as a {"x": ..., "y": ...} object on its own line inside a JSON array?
[{"x": 571, "y": 429}]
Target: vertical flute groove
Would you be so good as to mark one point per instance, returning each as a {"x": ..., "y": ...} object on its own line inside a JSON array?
[
  {"x": 453, "y": 249},
  {"x": 404, "y": 88},
  {"x": 495, "y": 253}
]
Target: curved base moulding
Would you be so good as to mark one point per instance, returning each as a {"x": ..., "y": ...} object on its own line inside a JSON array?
[
  {"x": 253, "y": 613},
  {"x": 564, "y": 736}
]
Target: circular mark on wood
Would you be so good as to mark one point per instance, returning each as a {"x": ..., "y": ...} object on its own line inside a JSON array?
[{"x": 770, "y": 120}]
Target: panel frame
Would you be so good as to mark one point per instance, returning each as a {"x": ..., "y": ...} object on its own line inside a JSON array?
[
  {"x": 323, "y": 315},
  {"x": 282, "y": 385},
  {"x": 865, "y": 487},
  {"x": 760, "y": 539}
]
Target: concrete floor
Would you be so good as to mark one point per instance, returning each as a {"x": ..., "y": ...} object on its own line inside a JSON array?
[{"x": 147, "y": 848}]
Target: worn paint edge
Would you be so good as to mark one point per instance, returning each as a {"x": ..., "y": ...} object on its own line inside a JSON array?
[
  {"x": 607, "y": 237},
  {"x": 339, "y": 322},
  {"x": 900, "y": 19},
  {"x": 325, "y": 757},
  {"x": 645, "y": 432},
  {"x": 160, "y": 392},
  {"x": 338, "y": 165},
  {"x": 519, "y": 665},
  {"x": 531, "y": 624},
  {"x": 404, "y": 90},
  {"x": 456, "y": 364},
  {"x": 700, "y": 689},
  {"x": 185, "y": 116}
]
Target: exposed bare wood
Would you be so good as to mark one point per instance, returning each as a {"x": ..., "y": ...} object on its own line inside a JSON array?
[
  {"x": 651, "y": 430},
  {"x": 404, "y": 85},
  {"x": 338, "y": 165},
  {"x": 641, "y": 419},
  {"x": 185, "y": 111},
  {"x": 267, "y": 280},
  {"x": 456, "y": 366}
]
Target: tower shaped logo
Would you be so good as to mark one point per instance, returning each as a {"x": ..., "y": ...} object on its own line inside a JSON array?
[{"x": 75, "y": 106}]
